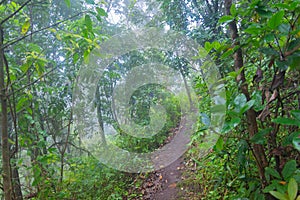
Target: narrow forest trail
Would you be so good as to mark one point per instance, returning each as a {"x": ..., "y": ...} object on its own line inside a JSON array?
[
  {"x": 162, "y": 184},
  {"x": 170, "y": 177}
]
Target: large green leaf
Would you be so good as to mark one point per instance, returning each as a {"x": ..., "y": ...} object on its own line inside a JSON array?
[
  {"x": 289, "y": 169},
  {"x": 226, "y": 19},
  {"x": 272, "y": 172},
  {"x": 276, "y": 19},
  {"x": 228, "y": 126},
  {"x": 279, "y": 195},
  {"x": 101, "y": 12},
  {"x": 86, "y": 56},
  {"x": 88, "y": 22},
  {"x": 240, "y": 100},
  {"x": 247, "y": 106},
  {"x": 253, "y": 29},
  {"x": 296, "y": 114},
  {"x": 68, "y": 3},
  {"x": 288, "y": 140},
  {"x": 220, "y": 144},
  {"x": 260, "y": 137},
  {"x": 292, "y": 189},
  {"x": 233, "y": 10},
  {"x": 286, "y": 121}
]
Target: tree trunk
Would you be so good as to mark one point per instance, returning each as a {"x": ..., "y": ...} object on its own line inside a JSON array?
[
  {"x": 258, "y": 150},
  {"x": 188, "y": 92},
  {"x": 6, "y": 174},
  {"x": 16, "y": 183}
]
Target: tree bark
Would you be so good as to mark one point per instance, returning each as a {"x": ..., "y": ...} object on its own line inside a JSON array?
[
  {"x": 258, "y": 150},
  {"x": 16, "y": 183},
  {"x": 6, "y": 174}
]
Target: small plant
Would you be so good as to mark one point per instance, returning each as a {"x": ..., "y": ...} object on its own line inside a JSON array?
[{"x": 291, "y": 194}]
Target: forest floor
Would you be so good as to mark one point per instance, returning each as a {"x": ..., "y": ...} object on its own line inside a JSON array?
[
  {"x": 174, "y": 182},
  {"x": 169, "y": 178}
]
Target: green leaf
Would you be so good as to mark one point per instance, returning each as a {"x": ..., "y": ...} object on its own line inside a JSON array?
[
  {"x": 296, "y": 143},
  {"x": 101, "y": 12},
  {"x": 226, "y": 19},
  {"x": 88, "y": 22},
  {"x": 228, "y": 126},
  {"x": 253, "y": 29},
  {"x": 227, "y": 53},
  {"x": 284, "y": 28},
  {"x": 272, "y": 172},
  {"x": 25, "y": 27},
  {"x": 268, "y": 51},
  {"x": 233, "y": 10},
  {"x": 287, "y": 140},
  {"x": 220, "y": 144},
  {"x": 247, "y": 106},
  {"x": 234, "y": 74},
  {"x": 276, "y": 19},
  {"x": 269, "y": 37},
  {"x": 295, "y": 61},
  {"x": 286, "y": 121},
  {"x": 13, "y": 4},
  {"x": 283, "y": 65},
  {"x": 90, "y": 2},
  {"x": 239, "y": 102},
  {"x": 208, "y": 46},
  {"x": 292, "y": 189},
  {"x": 281, "y": 5},
  {"x": 257, "y": 97},
  {"x": 293, "y": 5},
  {"x": 289, "y": 168},
  {"x": 279, "y": 196},
  {"x": 296, "y": 114},
  {"x": 260, "y": 137},
  {"x": 68, "y": 3},
  {"x": 86, "y": 56}
]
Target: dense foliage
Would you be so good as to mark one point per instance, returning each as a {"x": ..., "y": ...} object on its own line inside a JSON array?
[{"x": 255, "y": 44}]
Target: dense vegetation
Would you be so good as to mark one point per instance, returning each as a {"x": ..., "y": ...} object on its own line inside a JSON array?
[{"x": 255, "y": 45}]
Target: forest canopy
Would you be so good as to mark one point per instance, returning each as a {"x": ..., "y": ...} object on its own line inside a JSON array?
[{"x": 227, "y": 88}]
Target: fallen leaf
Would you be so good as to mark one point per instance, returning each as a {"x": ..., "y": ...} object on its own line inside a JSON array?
[
  {"x": 173, "y": 185},
  {"x": 282, "y": 182}
]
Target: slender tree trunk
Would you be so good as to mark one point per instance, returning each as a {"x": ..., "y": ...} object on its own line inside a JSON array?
[
  {"x": 6, "y": 174},
  {"x": 16, "y": 183},
  {"x": 99, "y": 116},
  {"x": 258, "y": 150},
  {"x": 188, "y": 92}
]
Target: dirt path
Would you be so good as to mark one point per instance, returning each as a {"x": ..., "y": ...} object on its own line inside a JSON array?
[
  {"x": 170, "y": 176},
  {"x": 161, "y": 184}
]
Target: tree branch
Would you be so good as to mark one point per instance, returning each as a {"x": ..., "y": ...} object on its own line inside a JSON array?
[
  {"x": 288, "y": 53},
  {"x": 14, "y": 13},
  {"x": 40, "y": 30}
]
